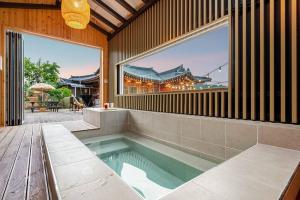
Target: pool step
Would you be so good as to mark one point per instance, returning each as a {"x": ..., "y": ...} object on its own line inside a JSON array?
[{"x": 110, "y": 147}]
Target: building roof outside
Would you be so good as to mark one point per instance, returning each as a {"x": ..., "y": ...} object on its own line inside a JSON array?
[
  {"x": 88, "y": 77},
  {"x": 81, "y": 81},
  {"x": 150, "y": 74}
]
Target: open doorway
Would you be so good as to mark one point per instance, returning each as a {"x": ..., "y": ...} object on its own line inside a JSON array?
[{"x": 60, "y": 79}]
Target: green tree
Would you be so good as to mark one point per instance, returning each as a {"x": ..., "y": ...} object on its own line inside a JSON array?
[
  {"x": 40, "y": 72},
  {"x": 59, "y": 94}
]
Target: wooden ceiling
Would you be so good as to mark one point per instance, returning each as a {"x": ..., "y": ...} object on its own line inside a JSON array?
[{"x": 107, "y": 16}]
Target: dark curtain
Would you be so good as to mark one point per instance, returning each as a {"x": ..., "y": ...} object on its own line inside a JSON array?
[{"x": 14, "y": 79}]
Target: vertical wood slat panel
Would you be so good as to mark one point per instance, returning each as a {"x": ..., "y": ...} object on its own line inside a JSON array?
[
  {"x": 282, "y": 62},
  {"x": 262, "y": 60},
  {"x": 237, "y": 57},
  {"x": 161, "y": 106},
  {"x": 205, "y": 11},
  {"x": 253, "y": 61},
  {"x": 272, "y": 60},
  {"x": 178, "y": 18},
  {"x": 200, "y": 12},
  {"x": 177, "y": 103},
  {"x": 185, "y": 111},
  {"x": 223, "y": 104},
  {"x": 181, "y": 104},
  {"x": 174, "y": 19},
  {"x": 195, "y": 14},
  {"x": 210, "y": 14},
  {"x": 171, "y": 103},
  {"x": 186, "y": 16},
  {"x": 200, "y": 105},
  {"x": 210, "y": 102},
  {"x": 190, "y": 104},
  {"x": 216, "y": 114},
  {"x": 167, "y": 103},
  {"x": 222, "y": 8},
  {"x": 205, "y": 104},
  {"x": 230, "y": 63},
  {"x": 294, "y": 71},
  {"x": 216, "y": 9},
  {"x": 245, "y": 92},
  {"x": 194, "y": 104}
]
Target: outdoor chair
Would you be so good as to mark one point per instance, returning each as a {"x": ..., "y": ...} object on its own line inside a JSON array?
[{"x": 75, "y": 104}]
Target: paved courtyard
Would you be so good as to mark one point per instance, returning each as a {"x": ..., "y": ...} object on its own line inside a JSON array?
[{"x": 46, "y": 117}]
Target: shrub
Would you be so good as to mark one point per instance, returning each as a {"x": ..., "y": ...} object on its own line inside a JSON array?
[{"x": 59, "y": 94}]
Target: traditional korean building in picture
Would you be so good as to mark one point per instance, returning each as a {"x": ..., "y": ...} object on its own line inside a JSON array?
[
  {"x": 85, "y": 86},
  {"x": 140, "y": 80}
]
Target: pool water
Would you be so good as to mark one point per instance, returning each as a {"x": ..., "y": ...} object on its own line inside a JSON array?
[{"x": 150, "y": 173}]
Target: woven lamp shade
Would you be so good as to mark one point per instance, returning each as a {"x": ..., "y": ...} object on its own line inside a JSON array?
[{"x": 76, "y": 13}]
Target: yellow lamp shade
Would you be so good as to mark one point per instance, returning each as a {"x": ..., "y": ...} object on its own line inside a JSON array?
[{"x": 76, "y": 13}]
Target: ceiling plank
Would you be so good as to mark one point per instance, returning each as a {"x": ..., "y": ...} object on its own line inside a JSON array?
[
  {"x": 98, "y": 28},
  {"x": 131, "y": 19},
  {"x": 103, "y": 19},
  {"x": 29, "y": 5},
  {"x": 47, "y": 7},
  {"x": 110, "y": 10},
  {"x": 127, "y": 6}
]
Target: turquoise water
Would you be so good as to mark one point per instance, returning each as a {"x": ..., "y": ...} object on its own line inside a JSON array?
[{"x": 149, "y": 172}]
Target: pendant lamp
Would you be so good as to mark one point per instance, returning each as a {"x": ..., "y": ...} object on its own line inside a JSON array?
[{"x": 76, "y": 13}]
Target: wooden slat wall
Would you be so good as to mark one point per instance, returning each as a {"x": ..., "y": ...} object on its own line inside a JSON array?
[
  {"x": 164, "y": 21},
  {"x": 190, "y": 103},
  {"x": 48, "y": 23},
  {"x": 263, "y": 56}
]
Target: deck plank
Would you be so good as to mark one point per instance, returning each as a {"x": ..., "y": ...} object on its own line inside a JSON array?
[
  {"x": 22, "y": 169},
  {"x": 9, "y": 158},
  {"x": 8, "y": 136},
  {"x": 37, "y": 187},
  {"x": 17, "y": 185}
]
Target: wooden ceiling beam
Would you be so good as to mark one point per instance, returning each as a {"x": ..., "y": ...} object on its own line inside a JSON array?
[
  {"x": 127, "y": 6},
  {"x": 110, "y": 10},
  {"x": 131, "y": 19},
  {"x": 28, "y": 5},
  {"x": 103, "y": 19}
]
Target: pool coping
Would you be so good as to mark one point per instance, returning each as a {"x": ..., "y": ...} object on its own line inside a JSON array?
[
  {"x": 250, "y": 175},
  {"x": 82, "y": 177}
]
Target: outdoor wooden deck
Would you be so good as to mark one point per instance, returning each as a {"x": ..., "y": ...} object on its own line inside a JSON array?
[
  {"x": 21, "y": 162},
  {"x": 22, "y": 170}
]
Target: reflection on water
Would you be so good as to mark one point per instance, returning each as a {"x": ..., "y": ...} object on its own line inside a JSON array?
[
  {"x": 150, "y": 173},
  {"x": 144, "y": 176}
]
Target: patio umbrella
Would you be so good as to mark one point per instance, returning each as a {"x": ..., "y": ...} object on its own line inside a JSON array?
[{"x": 42, "y": 87}]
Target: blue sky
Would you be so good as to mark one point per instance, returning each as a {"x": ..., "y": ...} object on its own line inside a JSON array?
[
  {"x": 201, "y": 54},
  {"x": 72, "y": 58}
]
